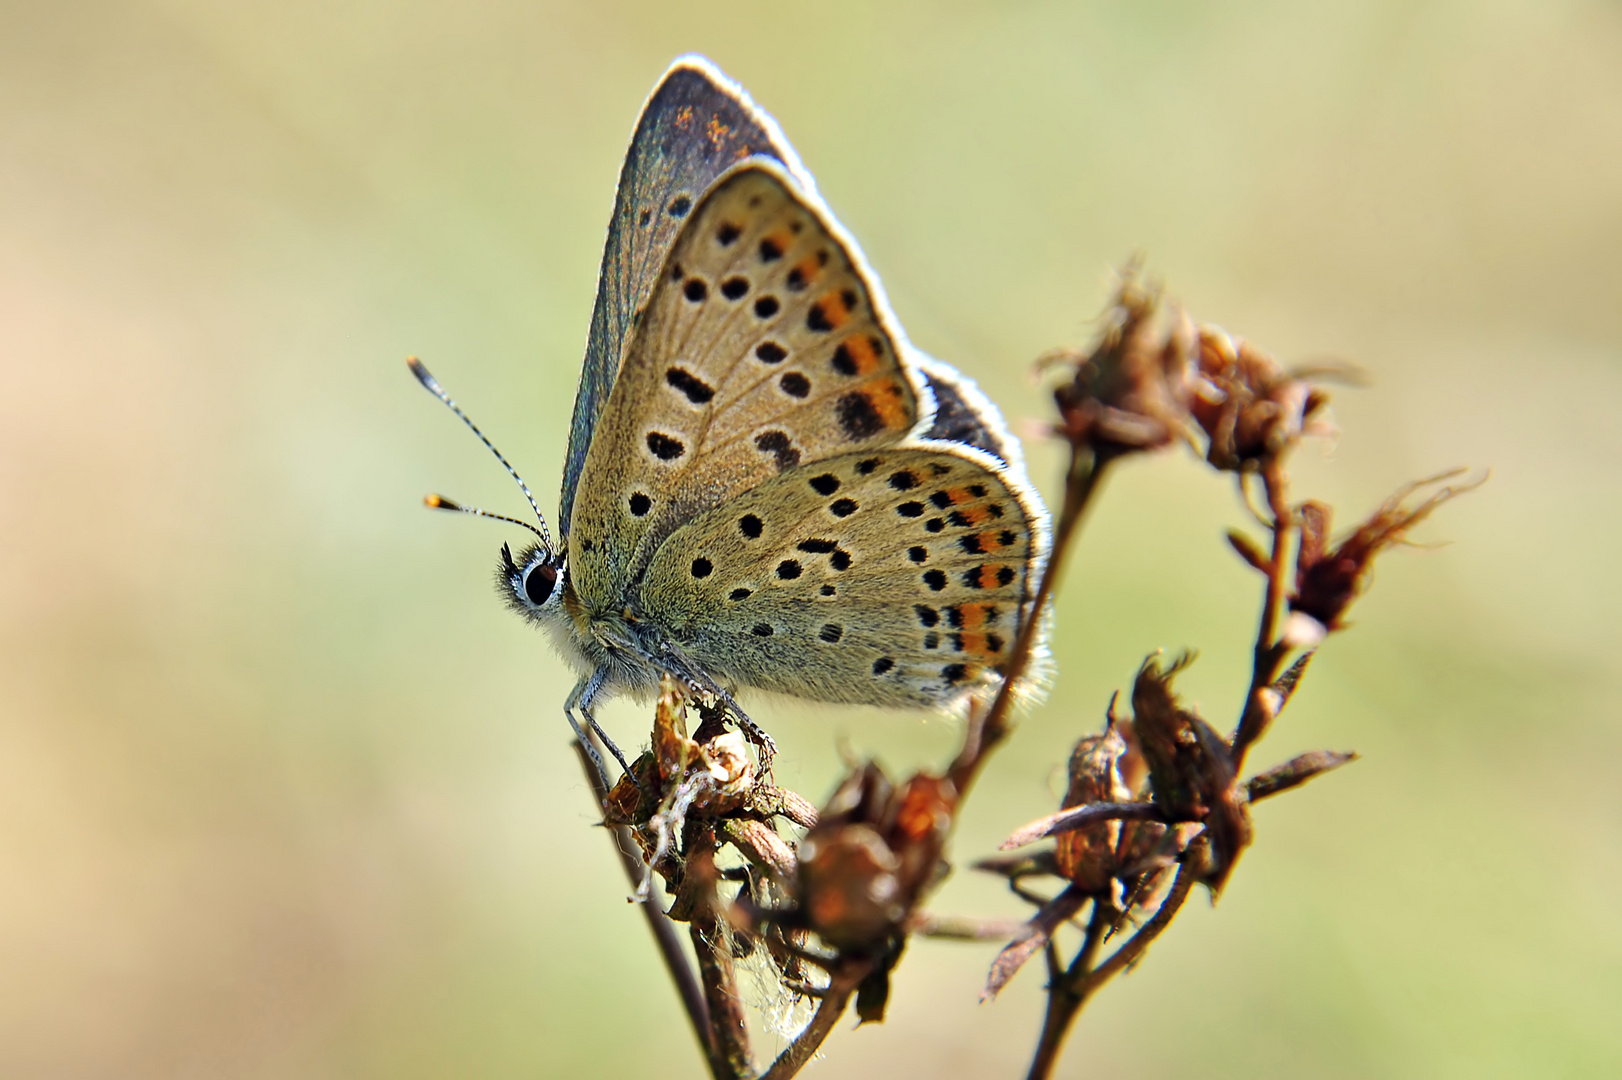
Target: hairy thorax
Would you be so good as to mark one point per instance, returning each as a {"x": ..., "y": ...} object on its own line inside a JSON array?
[{"x": 596, "y": 637}]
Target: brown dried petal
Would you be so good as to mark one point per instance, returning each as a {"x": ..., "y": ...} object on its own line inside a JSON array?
[
  {"x": 1327, "y": 580},
  {"x": 634, "y": 798},
  {"x": 1037, "y": 933},
  {"x": 1295, "y": 772}
]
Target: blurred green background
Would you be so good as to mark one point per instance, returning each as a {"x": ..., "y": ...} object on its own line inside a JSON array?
[{"x": 284, "y": 791}]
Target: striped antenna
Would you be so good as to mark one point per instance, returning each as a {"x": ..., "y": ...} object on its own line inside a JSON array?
[
  {"x": 433, "y": 387},
  {"x": 439, "y": 502}
]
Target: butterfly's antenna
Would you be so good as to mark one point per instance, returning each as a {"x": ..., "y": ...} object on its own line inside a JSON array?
[
  {"x": 433, "y": 387},
  {"x": 439, "y": 502}
]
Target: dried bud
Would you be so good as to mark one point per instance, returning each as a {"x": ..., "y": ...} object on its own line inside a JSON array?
[
  {"x": 872, "y": 855},
  {"x": 1250, "y": 409},
  {"x": 1328, "y": 579},
  {"x": 1191, "y": 773},
  {"x": 709, "y": 779},
  {"x": 1130, "y": 390},
  {"x": 1087, "y": 856}
]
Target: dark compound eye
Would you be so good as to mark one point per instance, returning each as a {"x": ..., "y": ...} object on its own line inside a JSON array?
[{"x": 539, "y": 581}]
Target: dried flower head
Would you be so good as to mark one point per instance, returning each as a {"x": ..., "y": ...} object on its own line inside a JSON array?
[
  {"x": 1130, "y": 389},
  {"x": 874, "y": 852},
  {"x": 1191, "y": 773},
  {"x": 1250, "y": 409}
]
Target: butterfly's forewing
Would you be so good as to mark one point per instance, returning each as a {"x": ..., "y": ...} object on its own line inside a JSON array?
[
  {"x": 696, "y": 125},
  {"x": 761, "y": 347},
  {"x": 963, "y": 415},
  {"x": 896, "y": 578}
]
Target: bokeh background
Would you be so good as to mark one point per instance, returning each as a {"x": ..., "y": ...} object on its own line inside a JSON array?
[{"x": 285, "y": 793}]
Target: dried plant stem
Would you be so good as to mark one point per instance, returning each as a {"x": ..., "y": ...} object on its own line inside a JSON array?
[
  {"x": 1069, "y": 992},
  {"x": 983, "y": 735},
  {"x": 664, "y": 931},
  {"x": 1268, "y": 654},
  {"x": 1139, "y": 943},
  {"x": 842, "y": 983},
  {"x": 712, "y": 944},
  {"x": 1063, "y": 1002}
]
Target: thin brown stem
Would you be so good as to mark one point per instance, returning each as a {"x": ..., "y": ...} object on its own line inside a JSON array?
[
  {"x": 664, "y": 931},
  {"x": 729, "y": 1027},
  {"x": 1139, "y": 942},
  {"x": 1267, "y": 653},
  {"x": 1081, "y": 980},
  {"x": 983, "y": 735},
  {"x": 835, "y": 996},
  {"x": 964, "y": 927},
  {"x": 1063, "y": 1001}
]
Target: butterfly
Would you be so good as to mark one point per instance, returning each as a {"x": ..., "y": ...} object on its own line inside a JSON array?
[{"x": 766, "y": 484}]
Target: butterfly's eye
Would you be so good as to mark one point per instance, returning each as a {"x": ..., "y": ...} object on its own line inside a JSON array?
[{"x": 539, "y": 581}]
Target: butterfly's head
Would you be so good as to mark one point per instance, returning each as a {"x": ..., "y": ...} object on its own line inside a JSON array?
[{"x": 532, "y": 584}]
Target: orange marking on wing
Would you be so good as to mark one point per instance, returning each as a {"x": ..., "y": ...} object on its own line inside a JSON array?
[
  {"x": 684, "y": 116},
  {"x": 978, "y": 645},
  {"x": 973, "y": 616},
  {"x": 859, "y": 347},
  {"x": 833, "y": 309},
  {"x": 717, "y": 132},
  {"x": 808, "y": 268},
  {"x": 987, "y": 578},
  {"x": 990, "y": 541},
  {"x": 978, "y": 515},
  {"x": 890, "y": 403},
  {"x": 780, "y": 239}
]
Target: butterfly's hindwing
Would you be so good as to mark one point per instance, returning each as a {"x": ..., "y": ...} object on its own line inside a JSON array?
[
  {"x": 894, "y": 577},
  {"x": 695, "y": 126},
  {"x": 760, "y": 349}
]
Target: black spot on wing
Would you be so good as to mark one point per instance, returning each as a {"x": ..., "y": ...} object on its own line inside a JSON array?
[
  {"x": 665, "y": 447},
  {"x": 858, "y": 416},
  {"x": 689, "y": 385},
  {"x": 778, "y": 444}
]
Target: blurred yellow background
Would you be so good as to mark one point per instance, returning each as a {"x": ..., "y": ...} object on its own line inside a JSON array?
[{"x": 284, "y": 792}]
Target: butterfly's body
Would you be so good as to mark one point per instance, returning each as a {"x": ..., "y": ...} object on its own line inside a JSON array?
[{"x": 767, "y": 486}]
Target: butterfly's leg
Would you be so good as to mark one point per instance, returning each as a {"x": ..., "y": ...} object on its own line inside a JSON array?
[
  {"x": 751, "y": 730},
  {"x": 585, "y": 692},
  {"x": 699, "y": 683}
]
